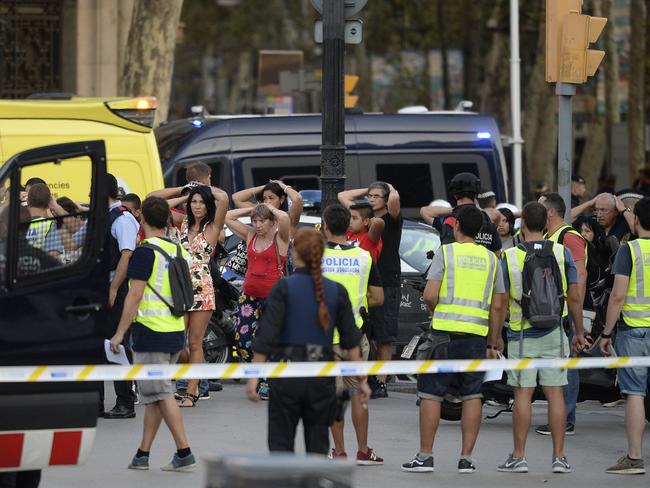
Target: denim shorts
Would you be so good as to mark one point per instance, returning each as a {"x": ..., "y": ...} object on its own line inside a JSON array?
[
  {"x": 633, "y": 341},
  {"x": 435, "y": 386}
]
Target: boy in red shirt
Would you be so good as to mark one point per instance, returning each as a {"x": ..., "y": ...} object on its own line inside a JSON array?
[{"x": 365, "y": 229}]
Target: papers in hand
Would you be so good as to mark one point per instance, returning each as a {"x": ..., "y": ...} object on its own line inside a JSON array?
[
  {"x": 115, "y": 357},
  {"x": 494, "y": 374}
]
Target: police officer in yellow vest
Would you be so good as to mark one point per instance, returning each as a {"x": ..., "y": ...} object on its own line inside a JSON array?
[
  {"x": 42, "y": 232},
  {"x": 158, "y": 335},
  {"x": 353, "y": 268},
  {"x": 630, "y": 299},
  {"x": 466, "y": 294},
  {"x": 525, "y": 341}
]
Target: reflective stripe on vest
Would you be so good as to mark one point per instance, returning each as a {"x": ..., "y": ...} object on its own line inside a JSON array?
[
  {"x": 636, "y": 308},
  {"x": 515, "y": 260},
  {"x": 465, "y": 308},
  {"x": 556, "y": 236},
  {"x": 38, "y": 231},
  {"x": 350, "y": 268},
  {"x": 153, "y": 313}
]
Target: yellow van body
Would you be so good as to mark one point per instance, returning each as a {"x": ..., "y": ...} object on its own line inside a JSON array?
[{"x": 124, "y": 125}]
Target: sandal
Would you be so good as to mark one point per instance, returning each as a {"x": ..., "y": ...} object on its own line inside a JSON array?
[{"x": 188, "y": 397}]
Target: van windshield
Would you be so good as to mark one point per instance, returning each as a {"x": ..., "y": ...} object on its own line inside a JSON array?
[{"x": 169, "y": 139}]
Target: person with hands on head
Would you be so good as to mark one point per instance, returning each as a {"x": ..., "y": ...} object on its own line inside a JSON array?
[
  {"x": 298, "y": 324},
  {"x": 200, "y": 230},
  {"x": 527, "y": 341},
  {"x": 158, "y": 335},
  {"x": 611, "y": 213},
  {"x": 267, "y": 245},
  {"x": 466, "y": 294},
  {"x": 630, "y": 299},
  {"x": 275, "y": 193},
  {"x": 384, "y": 320}
]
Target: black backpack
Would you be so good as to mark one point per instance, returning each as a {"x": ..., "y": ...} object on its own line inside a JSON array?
[
  {"x": 542, "y": 298},
  {"x": 179, "y": 280}
]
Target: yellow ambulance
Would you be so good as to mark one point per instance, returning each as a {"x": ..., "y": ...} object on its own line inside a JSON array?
[{"x": 125, "y": 124}]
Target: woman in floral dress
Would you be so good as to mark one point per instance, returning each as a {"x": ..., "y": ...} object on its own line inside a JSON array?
[{"x": 200, "y": 229}]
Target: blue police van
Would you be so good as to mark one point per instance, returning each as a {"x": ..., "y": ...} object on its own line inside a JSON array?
[{"x": 417, "y": 153}]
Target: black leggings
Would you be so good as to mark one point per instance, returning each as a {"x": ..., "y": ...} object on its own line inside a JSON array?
[{"x": 311, "y": 399}]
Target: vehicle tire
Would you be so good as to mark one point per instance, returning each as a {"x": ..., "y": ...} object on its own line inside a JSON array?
[{"x": 218, "y": 355}]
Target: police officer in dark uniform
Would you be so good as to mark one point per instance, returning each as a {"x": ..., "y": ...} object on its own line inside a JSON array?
[
  {"x": 464, "y": 187},
  {"x": 297, "y": 325}
]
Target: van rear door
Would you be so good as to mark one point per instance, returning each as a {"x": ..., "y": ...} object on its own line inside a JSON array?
[{"x": 53, "y": 294}]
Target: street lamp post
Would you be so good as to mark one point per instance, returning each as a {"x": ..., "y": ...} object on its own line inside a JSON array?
[{"x": 333, "y": 142}]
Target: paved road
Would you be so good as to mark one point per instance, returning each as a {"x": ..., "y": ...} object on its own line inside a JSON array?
[{"x": 229, "y": 424}]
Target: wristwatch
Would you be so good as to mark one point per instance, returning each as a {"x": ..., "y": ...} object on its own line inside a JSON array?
[{"x": 606, "y": 336}]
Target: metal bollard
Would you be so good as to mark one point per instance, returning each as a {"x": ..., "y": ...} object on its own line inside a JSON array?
[{"x": 277, "y": 471}]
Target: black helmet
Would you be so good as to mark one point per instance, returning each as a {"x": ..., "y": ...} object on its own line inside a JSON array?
[{"x": 465, "y": 183}]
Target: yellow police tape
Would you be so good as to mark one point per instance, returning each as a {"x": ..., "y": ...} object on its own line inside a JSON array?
[{"x": 24, "y": 374}]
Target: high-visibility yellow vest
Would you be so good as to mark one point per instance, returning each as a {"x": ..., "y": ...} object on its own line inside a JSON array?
[
  {"x": 351, "y": 268},
  {"x": 466, "y": 290},
  {"x": 153, "y": 313},
  {"x": 556, "y": 236},
  {"x": 37, "y": 232},
  {"x": 636, "y": 308},
  {"x": 515, "y": 259}
]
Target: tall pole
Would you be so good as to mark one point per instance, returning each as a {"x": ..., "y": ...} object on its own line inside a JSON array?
[
  {"x": 515, "y": 104},
  {"x": 565, "y": 144},
  {"x": 333, "y": 146}
]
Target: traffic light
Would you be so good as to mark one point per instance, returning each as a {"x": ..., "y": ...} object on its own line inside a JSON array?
[
  {"x": 350, "y": 83},
  {"x": 577, "y": 61},
  {"x": 556, "y": 11}
]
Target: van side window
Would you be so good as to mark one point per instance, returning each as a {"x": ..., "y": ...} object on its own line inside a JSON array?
[
  {"x": 53, "y": 230},
  {"x": 301, "y": 172},
  {"x": 412, "y": 181},
  {"x": 449, "y": 170}
]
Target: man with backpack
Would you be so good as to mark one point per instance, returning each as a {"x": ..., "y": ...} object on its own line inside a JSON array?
[
  {"x": 159, "y": 295},
  {"x": 558, "y": 231},
  {"x": 464, "y": 187},
  {"x": 538, "y": 275}
]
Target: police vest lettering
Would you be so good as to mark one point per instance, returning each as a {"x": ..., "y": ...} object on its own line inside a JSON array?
[
  {"x": 341, "y": 264},
  {"x": 636, "y": 308}
]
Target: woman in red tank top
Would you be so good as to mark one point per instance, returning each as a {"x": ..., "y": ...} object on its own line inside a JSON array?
[{"x": 267, "y": 242}]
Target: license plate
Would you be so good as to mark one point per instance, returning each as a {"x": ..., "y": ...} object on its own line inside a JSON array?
[{"x": 410, "y": 348}]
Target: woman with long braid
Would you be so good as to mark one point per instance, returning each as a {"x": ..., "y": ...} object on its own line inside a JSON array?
[{"x": 298, "y": 324}]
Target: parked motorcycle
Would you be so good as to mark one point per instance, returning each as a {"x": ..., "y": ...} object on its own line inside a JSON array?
[{"x": 219, "y": 344}]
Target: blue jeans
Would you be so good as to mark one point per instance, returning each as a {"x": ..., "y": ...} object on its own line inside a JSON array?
[
  {"x": 571, "y": 389},
  {"x": 203, "y": 385},
  {"x": 633, "y": 341}
]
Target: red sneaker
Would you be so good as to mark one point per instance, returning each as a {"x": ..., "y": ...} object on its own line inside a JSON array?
[
  {"x": 368, "y": 458},
  {"x": 342, "y": 456}
]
